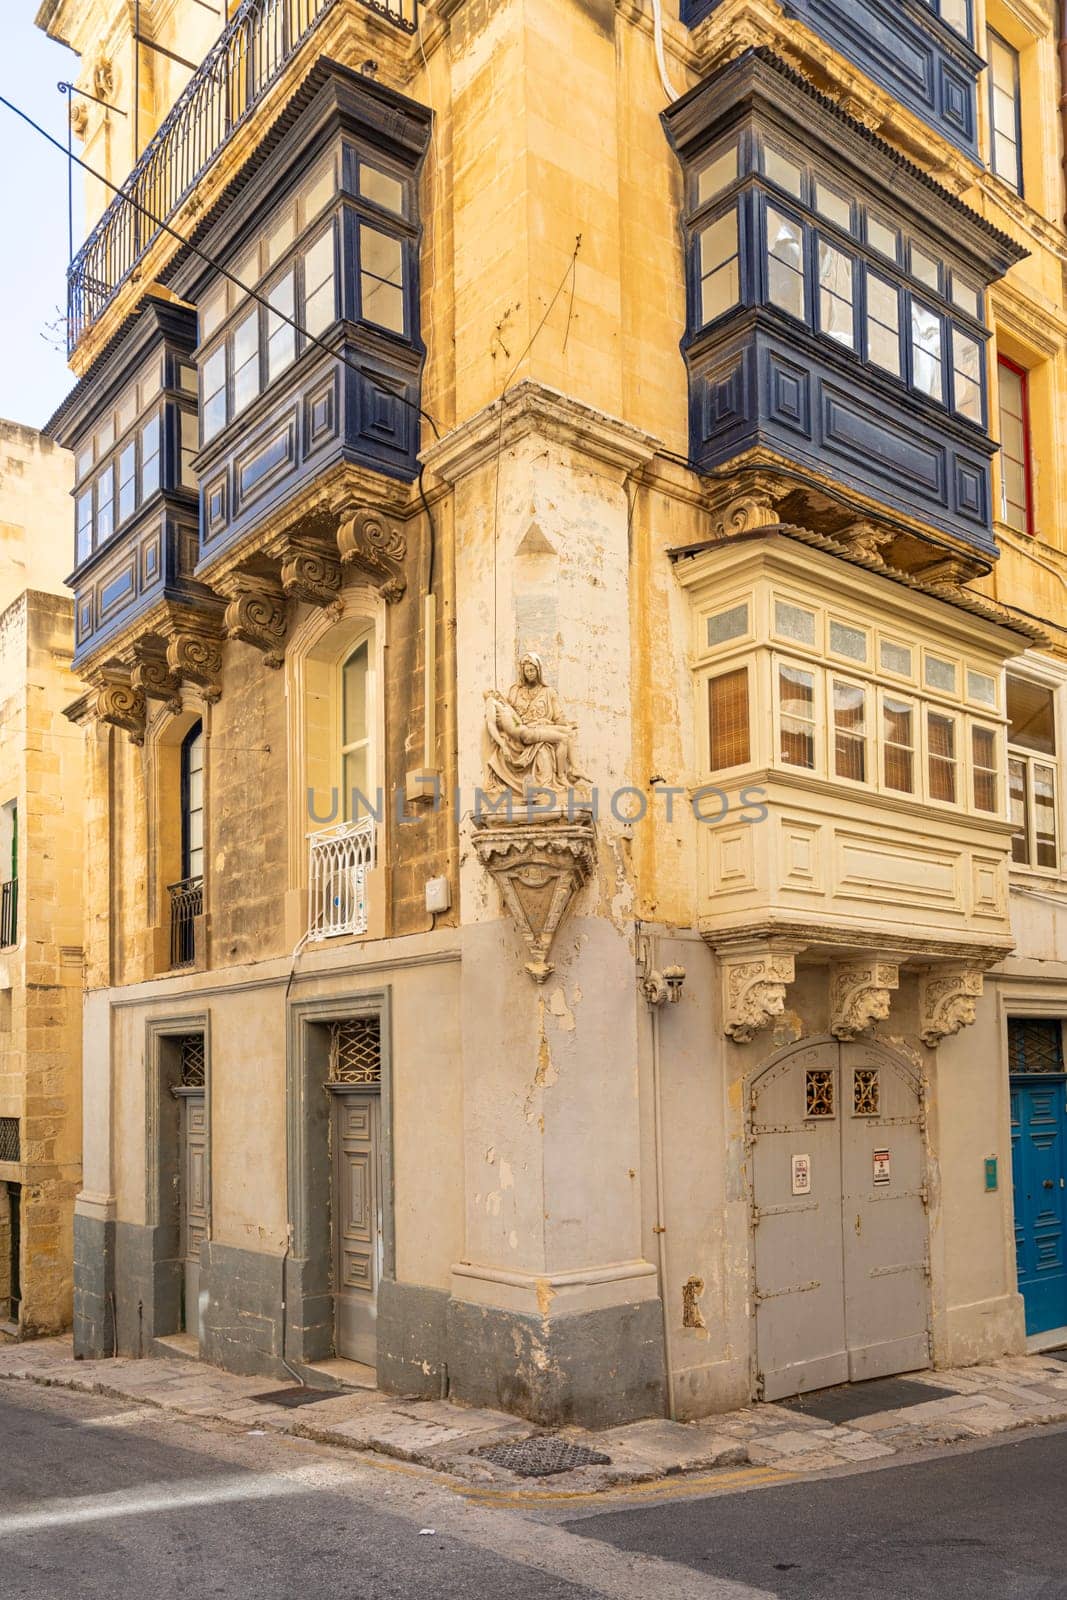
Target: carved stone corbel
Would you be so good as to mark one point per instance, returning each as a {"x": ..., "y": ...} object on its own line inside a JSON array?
[
  {"x": 375, "y": 545},
  {"x": 151, "y": 673},
  {"x": 311, "y": 573},
  {"x": 743, "y": 510},
  {"x": 866, "y": 539},
  {"x": 256, "y": 614},
  {"x": 860, "y": 993},
  {"x": 753, "y": 991},
  {"x": 114, "y": 699},
  {"x": 539, "y": 866},
  {"x": 948, "y": 1001},
  {"x": 194, "y": 654}
]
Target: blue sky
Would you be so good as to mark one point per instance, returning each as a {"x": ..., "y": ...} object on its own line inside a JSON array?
[{"x": 33, "y": 190}]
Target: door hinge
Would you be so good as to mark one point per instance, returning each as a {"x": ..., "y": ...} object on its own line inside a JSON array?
[
  {"x": 759, "y": 1385},
  {"x": 755, "y": 1216},
  {"x": 924, "y": 1195}
]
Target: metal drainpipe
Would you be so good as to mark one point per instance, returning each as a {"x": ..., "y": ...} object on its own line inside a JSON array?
[
  {"x": 1063, "y": 99},
  {"x": 661, "y": 1226}
]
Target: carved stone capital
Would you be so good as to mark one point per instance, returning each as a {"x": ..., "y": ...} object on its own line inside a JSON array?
[
  {"x": 374, "y": 545},
  {"x": 194, "y": 654},
  {"x": 539, "y": 866},
  {"x": 256, "y": 614},
  {"x": 753, "y": 991},
  {"x": 948, "y": 1001},
  {"x": 113, "y": 698},
  {"x": 311, "y": 573},
  {"x": 151, "y": 673},
  {"x": 860, "y": 994}
]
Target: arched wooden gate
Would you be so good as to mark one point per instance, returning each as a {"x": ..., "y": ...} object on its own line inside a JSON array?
[{"x": 839, "y": 1217}]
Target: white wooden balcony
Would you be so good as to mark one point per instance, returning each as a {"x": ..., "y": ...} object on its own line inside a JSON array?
[{"x": 340, "y": 862}]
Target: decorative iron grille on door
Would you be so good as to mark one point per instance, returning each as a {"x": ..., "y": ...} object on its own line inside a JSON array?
[
  {"x": 191, "y": 1055},
  {"x": 356, "y": 1051},
  {"x": 10, "y": 1141},
  {"x": 1034, "y": 1045}
]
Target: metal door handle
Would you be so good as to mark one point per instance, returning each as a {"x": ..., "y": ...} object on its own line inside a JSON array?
[{"x": 1048, "y": 1184}]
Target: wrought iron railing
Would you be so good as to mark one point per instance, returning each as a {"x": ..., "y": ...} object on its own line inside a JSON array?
[
  {"x": 339, "y": 860},
  {"x": 9, "y": 912},
  {"x": 248, "y": 55},
  {"x": 186, "y": 904}
]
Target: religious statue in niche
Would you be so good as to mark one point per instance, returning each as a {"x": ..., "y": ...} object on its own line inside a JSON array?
[{"x": 531, "y": 742}]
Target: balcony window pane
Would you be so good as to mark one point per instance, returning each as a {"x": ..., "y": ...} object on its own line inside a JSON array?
[
  {"x": 381, "y": 189},
  {"x": 1019, "y": 812},
  {"x": 941, "y": 755},
  {"x": 787, "y": 174},
  {"x": 850, "y": 731},
  {"x": 796, "y": 703},
  {"x": 83, "y": 526},
  {"x": 883, "y": 324},
  {"x": 1031, "y": 716},
  {"x": 319, "y": 302},
  {"x": 1004, "y": 110},
  {"x": 127, "y": 481},
  {"x": 246, "y": 361},
  {"x": 926, "y": 351},
  {"x": 105, "y": 506},
  {"x": 126, "y": 411},
  {"x": 785, "y": 266},
  {"x": 940, "y": 675},
  {"x": 957, "y": 14},
  {"x": 212, "y": 310},
  {"x": 321, "y": 187},
  {"x": 846, "y": 641},
  {"x": 281, "y": 336},
  {"x": 717, "y": 174},
  {"x": 835, "y": 294},
  {"x": 355, "y": 696},
  {"x": 966, "y": 298},
  {"x": 794, "y": 622},
  {"x": 213, "y": 405},
  {"x": 984, "y": 767},
  {"x": 981, "y": 687},
  {"x": 926, "y": 269},
  {"x": 83, "y": 461},
  {"x": 1044, "y": 815},
  {"x": 105, "y": 437},
  {"x": 883, "y": 238},
  {"x": 729, "y": 624},
  {"x": 833, "y": 206},
  {"x": 354, "y": 780},
  {"x": 719, "y": 282},
  {"x": 281, "y": 236},
  {"x": 967, "y": 376},
  {"x": 1013, "y": 386},
  {"x": 728, "y": 728},
  {"x": 895, "y": 658},
  {"x": 187, "y": 378},
  {"x": 381, "y": 279},
  {"x": 149, "y": 457},
  {"x": 190, "y": 443},
  {"x": 898, "y": 740}
]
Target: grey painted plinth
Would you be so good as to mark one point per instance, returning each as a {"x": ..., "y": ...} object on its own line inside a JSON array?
[
  {"x": 94, "y": 1288},
  {"x": 412, "y": 1339},
  {"x": 241, "y": 1295},
  {"x": 594, "y": 1369},
  {"x": 148, "y": 1286}
]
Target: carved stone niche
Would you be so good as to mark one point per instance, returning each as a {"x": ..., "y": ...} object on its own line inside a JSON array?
[
  {"x": 256, "y": 614},
  {"x": 539, "y": 866},
  {"x": 374, "y": 545},
  {"x": 151, "y": 673},
  {"x": 753, "y": 990},
  {"x": 948, "y": 1001},
  {"x": 112, "y": 698},
  {"x": 860, "y": 995}
]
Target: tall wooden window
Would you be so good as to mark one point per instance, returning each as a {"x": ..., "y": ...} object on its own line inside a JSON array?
[
  {"x": 850, "y": 731},
  {"x": 1005, "y": 141},
  {"x": 1032, "y": 774},
  {"x": 192, "y": 778},
  {"x": 984, "y": 767},
  {"x": 941, "y": 755},
  {"x": 729, "y": 740},
  {"x": 356, "y": 731},
  {"x": 898, "y": 742},
  {"x": 1016, "y": 494},
  {"x": 796, "y": 706}
]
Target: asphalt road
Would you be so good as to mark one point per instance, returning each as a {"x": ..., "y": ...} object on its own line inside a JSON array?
[
  {"x": 986, "y": 1524},
  {"x": 100, "y": 1500}
]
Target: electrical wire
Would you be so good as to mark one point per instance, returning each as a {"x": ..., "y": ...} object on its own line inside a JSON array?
[{"x": 661, "y": 60}]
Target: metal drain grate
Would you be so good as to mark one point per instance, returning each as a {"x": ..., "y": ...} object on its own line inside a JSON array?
[
  {"x": 296, "y": 1397},
  {"x": 543, "y": 1455}
]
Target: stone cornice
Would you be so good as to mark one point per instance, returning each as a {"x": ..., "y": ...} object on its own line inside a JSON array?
[
  {"x": 531, "y": 408},
  {"x": 816, "y": 938}
]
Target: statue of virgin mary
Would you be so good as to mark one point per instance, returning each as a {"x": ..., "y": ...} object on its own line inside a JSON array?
[{"x": 531, "y": 742}]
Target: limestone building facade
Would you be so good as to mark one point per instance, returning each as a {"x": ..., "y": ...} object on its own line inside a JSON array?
[
  {"x": 657, "y": 414},
  {"x": 40, "y": 891}
]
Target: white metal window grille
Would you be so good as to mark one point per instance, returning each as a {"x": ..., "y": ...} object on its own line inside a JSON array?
[
  {"x": 356, "y": 1050},
  {"x": 191, "y": 1047},
  {"x": 339, "y": 859},
  {"x": 819, "y": 1092},
  {"x": 10, "y": 1142}
]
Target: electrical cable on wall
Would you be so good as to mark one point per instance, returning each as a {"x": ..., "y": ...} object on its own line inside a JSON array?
[{"x": 661, "y": 60}]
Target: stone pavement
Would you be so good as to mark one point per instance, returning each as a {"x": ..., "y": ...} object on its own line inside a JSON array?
[{"x": 1017, "y": 1392}]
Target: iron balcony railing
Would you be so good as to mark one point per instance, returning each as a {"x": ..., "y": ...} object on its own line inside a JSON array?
[
  {"x": 186, "y": 904},
  {"x": 245, "y": 60},
  {"x": 339, "y": 860},
  {"x": 9, "y": 912}
]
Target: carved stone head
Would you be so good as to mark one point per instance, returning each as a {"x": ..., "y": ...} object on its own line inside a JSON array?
[{"x": 530, "y": 669}]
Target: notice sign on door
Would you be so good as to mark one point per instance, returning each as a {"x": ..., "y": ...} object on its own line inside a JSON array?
[
  {"x": 881, "y": 1166},
  {"x": 801, "y": 1174}
]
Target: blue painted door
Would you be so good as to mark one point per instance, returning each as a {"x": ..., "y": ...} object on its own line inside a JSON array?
[{"x": 1039, "y": 1175}]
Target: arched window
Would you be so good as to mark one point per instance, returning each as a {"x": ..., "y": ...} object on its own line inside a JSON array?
[{"x": 192, "y": 778}]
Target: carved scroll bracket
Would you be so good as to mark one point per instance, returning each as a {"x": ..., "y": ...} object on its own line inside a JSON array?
[
  {"x": 749, "y": 503},
  {"x": 151, "y": 674},
  {"x": 860, "y": 995},
  {"x": 114, "y": 699},
  {"x": 256, "y": 614},
  {"x": 754, "y": 982},
  {"x": 374, "y": 545},
  {"x": 311, "y": 572},
  {"x": 193, "y": 654},
  {"x": 948, "y": 1001},
  {"x": 539, "y": 866}
]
